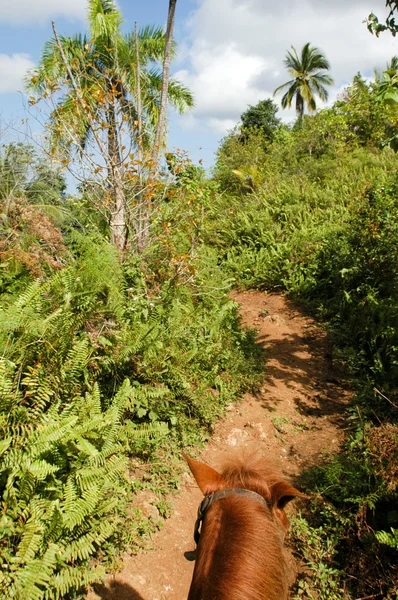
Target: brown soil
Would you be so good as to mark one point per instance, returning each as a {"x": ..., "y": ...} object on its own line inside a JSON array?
[{"x": 296, "y": 417}]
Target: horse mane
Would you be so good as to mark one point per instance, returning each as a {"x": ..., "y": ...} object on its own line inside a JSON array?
[{"x": 240, "y": 555}]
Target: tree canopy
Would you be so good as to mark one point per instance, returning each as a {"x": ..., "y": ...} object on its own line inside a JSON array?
[
  {"x": 91, "y": 84},
  {"x": 262, "y": 117}
]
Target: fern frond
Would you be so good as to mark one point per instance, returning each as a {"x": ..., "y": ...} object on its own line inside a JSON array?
[
  {"x": 82, "y": 507},
  {"x": 148, "y": 431},
  {"x": 33, "y": 579},
  {"x": 4, "y": 445},
  {"x": 73, "y": 578},
  {"x": 387, "y": 538},
  {"x": 30, "y": 542},
  {"x": 85, "y": 546},
  {"x": 30, "y": 295},
  {"x": 41, "y": 469},
  {"x": 93, "y": 400},
  {"x": 75, "y": 362},
  {"x": 50, "y": 433}
]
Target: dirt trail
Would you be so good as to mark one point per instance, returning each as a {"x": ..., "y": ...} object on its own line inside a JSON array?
[{"x": 298, "y": 414}]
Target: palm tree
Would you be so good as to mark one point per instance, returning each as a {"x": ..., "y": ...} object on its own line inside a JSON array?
[
  {"x": 309, "y": 79},
  {"x": 107, "y": 54},
  {"x": 96, "y": 77},
  {"x": 392, "y": 67}
]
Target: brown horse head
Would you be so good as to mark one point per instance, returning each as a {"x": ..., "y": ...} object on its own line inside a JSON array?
[
  {"x": 240, "y": 554},
  {"x": 253, "y": 474}
]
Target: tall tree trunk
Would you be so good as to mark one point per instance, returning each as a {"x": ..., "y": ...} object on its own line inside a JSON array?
[
  {"x": 141, "y": 234},
  {"x": 165, "y": 86},
  {"x": 147, "y": 201},
  {"x": 118, "y": 207}
]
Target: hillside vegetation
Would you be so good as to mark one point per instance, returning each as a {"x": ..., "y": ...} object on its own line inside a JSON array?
[{"x": 313, "y": 211}]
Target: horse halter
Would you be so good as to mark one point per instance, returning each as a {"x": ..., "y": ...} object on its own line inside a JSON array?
[{"x": 214, "y": 496}]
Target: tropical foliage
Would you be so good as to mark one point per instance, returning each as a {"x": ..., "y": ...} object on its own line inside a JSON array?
[
  {"x": 261, "y": 118},
  {"x": 102, "y": 63},
  {"x": 104, "y": 365},
  {"x": 116, "y": 353},
  {"x": 376, "y": 27},
  {"x": 387, "y": 84}
]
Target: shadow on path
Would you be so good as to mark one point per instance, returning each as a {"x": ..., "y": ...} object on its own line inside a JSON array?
[
  {"x": 116, "y": 590},
  {"x": 303, "y": 366}
]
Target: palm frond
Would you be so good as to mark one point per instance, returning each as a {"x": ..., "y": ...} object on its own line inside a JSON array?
[
  {"x": 283, "y": 86},
  {"x": 180, "y": 97},
  {"x": 51, "y": 68},
  {"x": 319, "y": 89},
  {"x": 287, "y": 99},
  {"x": 104, "y": 19}
]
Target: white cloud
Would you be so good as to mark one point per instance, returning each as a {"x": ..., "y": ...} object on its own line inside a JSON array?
[
  {"x": 238, "y": 46},
  {"x": 19, "y": 12},
  {"x": 12, "y": 70},
  {"x": 221, "y": 125},
  {"x": 189, "y": 123},
  {"x": 221, "y": 78}
]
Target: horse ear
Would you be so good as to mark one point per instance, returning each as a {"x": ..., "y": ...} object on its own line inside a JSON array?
[
  {"x": 207, "y": 478},
  {"x": 283, "y": 492}
]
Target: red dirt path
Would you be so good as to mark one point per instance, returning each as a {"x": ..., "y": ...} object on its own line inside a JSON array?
[{"x": 297, "y": 416}]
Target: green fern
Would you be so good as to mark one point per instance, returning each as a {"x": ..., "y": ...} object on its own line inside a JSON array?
[
  {"x": 87, "y": 544},
  {"x": 387, "y": 538},
  {"x": 75, "y": 362},
  {"x": 70, "y": 579}
]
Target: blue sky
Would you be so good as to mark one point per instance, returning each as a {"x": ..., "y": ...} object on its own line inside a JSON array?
[{"x": 230, "y": 53}]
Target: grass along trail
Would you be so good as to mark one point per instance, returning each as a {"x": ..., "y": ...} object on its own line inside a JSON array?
[{"x": 297, "y": 416}]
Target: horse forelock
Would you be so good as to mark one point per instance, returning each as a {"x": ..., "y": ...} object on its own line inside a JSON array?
[{"x": 253, "y": 473}]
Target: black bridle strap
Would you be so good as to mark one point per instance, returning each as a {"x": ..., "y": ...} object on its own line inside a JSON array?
[{"x": 214, "y": 496}]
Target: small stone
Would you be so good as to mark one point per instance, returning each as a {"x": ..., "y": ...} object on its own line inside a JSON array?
[
  {"x": 236, "y": 437},
  {"x": 138, "y": 580},
  {"x": 145, "y": 501},
  {"x": 151, "y": 511},
  {"x": 275, "y": 319},
  {"x": 259, "y": 430}
]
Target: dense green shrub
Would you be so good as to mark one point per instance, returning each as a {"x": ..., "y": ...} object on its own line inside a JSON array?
[
  {"x": 105, "y": 361},
  {"x": 360, "y": 295}
]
